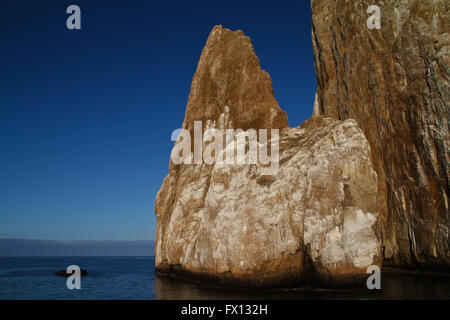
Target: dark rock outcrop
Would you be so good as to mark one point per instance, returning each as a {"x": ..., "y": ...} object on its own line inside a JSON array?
[{"x": 64, "y": 273}]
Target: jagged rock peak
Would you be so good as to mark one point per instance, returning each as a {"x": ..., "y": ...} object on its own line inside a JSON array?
[{"x": 229, "y": 87}]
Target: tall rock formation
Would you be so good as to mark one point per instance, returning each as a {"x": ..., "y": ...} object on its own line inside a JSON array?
[
  {"x": 311, "y": 220},
  {"x": 229, "y": 77},
  {"x": 395, "y": 83}
]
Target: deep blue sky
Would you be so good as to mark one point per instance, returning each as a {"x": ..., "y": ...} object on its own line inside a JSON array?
[{"x": 86, "y": 116}]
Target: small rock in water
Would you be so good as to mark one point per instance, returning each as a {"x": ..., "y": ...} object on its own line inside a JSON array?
[{"x": 64, "y": 273}]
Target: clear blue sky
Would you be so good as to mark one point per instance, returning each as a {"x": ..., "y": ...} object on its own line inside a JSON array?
[{"x": 86, "y": 116}]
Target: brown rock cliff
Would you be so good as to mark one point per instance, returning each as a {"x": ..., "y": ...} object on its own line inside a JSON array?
[{"x": 395, "y": 83}]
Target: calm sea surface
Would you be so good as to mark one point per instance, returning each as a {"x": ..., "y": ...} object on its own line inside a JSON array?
[{"x": 134, "y": 278}]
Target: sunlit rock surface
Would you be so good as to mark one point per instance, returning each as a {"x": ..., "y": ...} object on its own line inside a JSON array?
[{"x": 313, "y": 221}]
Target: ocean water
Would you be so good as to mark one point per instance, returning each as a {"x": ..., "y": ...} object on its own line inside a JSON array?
[{"x": 134, "y": 278}]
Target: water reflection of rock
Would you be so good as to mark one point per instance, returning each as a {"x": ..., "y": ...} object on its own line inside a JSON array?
[{"x": 394, "y": 286}]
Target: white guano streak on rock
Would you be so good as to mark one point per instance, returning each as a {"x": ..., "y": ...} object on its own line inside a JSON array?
[{"x": 228, "y": 220}]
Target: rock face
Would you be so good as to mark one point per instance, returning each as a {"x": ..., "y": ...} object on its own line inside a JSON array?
[
  {"x": 312, "y": 221},
  {"x": 229, "y": 77},
  {"x": 395, "y": 83}
]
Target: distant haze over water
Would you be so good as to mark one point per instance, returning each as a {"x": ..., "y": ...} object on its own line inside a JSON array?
[{"x": 34, "y": 247}]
